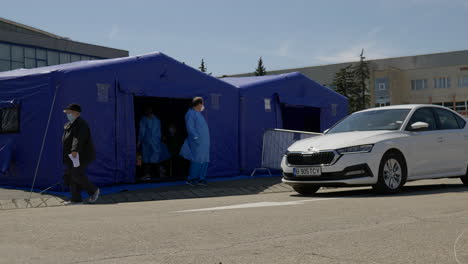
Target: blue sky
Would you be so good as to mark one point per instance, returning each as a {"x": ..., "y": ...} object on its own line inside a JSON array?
[{"x": 232, "y": 35}]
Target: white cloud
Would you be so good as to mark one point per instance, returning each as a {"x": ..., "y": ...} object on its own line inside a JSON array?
[{"x": 114, "y": 32}]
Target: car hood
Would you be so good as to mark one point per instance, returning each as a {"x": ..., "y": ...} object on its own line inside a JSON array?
[{"x": 342, "y": 140}]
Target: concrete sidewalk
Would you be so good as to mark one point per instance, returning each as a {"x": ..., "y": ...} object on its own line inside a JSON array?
[{"x": 17, "y": 199}]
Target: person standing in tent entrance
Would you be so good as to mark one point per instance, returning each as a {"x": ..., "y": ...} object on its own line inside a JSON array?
[
  {"x": 196, "y": 147},
  {"x": 153, "y": 150},
  {"x": 78, "y": 153}
]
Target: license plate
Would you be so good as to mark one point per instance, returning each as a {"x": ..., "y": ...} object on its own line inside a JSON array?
[{"x": 311, "y": 171}]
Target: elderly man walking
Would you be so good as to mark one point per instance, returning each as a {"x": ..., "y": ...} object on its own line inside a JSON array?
[
  {"x": 196, "y": 147},
  {"x": 78, "y": 153}
]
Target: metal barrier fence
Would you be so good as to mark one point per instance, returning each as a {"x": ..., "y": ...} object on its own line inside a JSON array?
[{"x": 275, "y": 143}]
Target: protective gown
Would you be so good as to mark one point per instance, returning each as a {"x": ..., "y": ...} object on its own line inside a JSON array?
[
  {"x": 196, "y": 147},
  {"x": 153, "y": 150}
]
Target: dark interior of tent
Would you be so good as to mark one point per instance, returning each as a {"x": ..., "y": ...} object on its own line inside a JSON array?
[
  {"x": 300, "y": 118},
  {"x": 171, "y": 112}
]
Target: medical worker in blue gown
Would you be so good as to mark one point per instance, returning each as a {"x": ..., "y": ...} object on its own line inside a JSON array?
[
  {"x": 196, "y": 147},
  {"x": 152, "y": 148}
]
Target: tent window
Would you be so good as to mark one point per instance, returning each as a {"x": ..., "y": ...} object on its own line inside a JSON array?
[
  {"x": 103, "y": 92},
  {"x": 334, "y": 106},
  {"x": 215, "y": 101},
  {"x": 267, "y": 105},
  {"x": 9, "y": 119}
]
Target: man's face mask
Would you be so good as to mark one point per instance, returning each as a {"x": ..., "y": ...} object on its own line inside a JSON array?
[
  {"x": 70, "y": 117},
  {"x": 202, "y": 108}
]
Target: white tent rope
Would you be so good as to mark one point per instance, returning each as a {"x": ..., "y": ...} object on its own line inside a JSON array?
[{"x": 43, "y": 142}]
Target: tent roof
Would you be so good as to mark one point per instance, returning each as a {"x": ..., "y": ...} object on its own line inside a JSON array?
[
  {"x": 258, "y": 82},
  {"x": 84, "y": 65},
  {"x": 248, "y": 82}
]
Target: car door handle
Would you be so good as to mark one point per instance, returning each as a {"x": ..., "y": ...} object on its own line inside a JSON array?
[{"x": 440, "y": 139}]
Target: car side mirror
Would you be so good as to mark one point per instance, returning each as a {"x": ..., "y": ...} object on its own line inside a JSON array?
[{"x": 419, "y": 126}]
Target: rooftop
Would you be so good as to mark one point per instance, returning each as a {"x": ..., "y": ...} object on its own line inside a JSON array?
[{"x": 13, "y": 26}]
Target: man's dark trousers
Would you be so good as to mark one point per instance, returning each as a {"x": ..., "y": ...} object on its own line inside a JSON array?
[{"x": 77, "y": 180}]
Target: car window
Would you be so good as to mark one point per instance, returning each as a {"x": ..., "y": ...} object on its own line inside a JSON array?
[
  {"x": 423, "y": 115},
  {"x": 380, "y": 119},
  {"x": 461, "y": 121},
  {"x": 447, "y": 119}
]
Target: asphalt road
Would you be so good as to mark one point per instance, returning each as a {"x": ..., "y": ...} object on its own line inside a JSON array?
[{"x": 427, "y": 223}]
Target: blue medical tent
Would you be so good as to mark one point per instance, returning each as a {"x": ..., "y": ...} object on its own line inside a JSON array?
[
  {"x": 31, "y": 116},
  {"x": 286, "y": 101}
]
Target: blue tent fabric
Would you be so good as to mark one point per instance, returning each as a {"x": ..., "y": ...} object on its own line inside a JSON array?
[
  {"x": 293, "y": 89},
  {"x": 106, "y": 89},
  {"x": 6, "y": 152}
]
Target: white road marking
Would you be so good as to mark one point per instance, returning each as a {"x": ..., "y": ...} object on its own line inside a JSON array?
[{"x": 254, "y": 205}]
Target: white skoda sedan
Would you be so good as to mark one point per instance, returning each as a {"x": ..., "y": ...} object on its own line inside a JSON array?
[{"x": 381, "y": 147}]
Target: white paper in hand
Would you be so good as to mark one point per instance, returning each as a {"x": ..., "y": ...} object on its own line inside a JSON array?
[{"x": 76, "y": 161}]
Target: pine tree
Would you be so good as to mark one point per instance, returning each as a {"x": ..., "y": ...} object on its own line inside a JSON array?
[
  {"x": 361, "y": 74},
  {"x": 345, "y": 84},
  {"x": 260, "y": 71},
  {"x": 202, "y": 66}
]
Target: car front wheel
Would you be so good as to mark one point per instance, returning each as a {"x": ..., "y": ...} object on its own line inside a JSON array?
[
  {"x": 392, "y": 174},
  {"x": 306, "y": 190}
]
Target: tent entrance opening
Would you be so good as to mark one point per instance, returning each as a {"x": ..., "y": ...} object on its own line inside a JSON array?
[
  {"x": 301, "y": 118},
  {"x": 166, "y": 138}
]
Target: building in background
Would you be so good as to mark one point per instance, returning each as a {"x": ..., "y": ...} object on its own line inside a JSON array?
[
  {"x": 440, "y": 78},
  {"x": 23, "y": 46}
]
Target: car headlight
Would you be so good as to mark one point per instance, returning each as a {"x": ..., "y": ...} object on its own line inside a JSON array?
[{"x": 355, "y": 149}]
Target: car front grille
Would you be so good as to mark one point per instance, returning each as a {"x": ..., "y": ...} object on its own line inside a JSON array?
[{"x": 305, "y": 159}]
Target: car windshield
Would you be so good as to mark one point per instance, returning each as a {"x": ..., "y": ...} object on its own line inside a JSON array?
[{"x": 389, "y": 119}]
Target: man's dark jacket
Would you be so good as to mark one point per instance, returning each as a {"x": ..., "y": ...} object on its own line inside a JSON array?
[{"x": 77, "y": 138}]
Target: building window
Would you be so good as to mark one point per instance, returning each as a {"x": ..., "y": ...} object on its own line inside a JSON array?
[
  {"x": 17, "y": 65},
  {"x": 382, "y": 87},
  {"x": 460, "y": 106},
  {"x": 16, "y": 56},
  {"x": 417, "y": 85},
  {"x": 41, "y": 63},
  {"x": 5, "y": 65},
  {"x": 443, "y": 82},
  {"x": 52, "y": 57},
  {"x": 64, "y": 58},
  {"x": 41, "y": 54},
  {"x": 74, "y": 58},
  {"x": 382, "y": 104},
  {"x": 463, "y": 81},
  {"x": 29, "y": 63},
  {"x": 448, "y": 105},
  {"x": 17, "y": 53},
  {"x": 30, "y": 53},
  {"x": 5, "y": 52}
]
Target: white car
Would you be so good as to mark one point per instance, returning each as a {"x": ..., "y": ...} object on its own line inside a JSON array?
[{"x": 381, "y": 147}]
